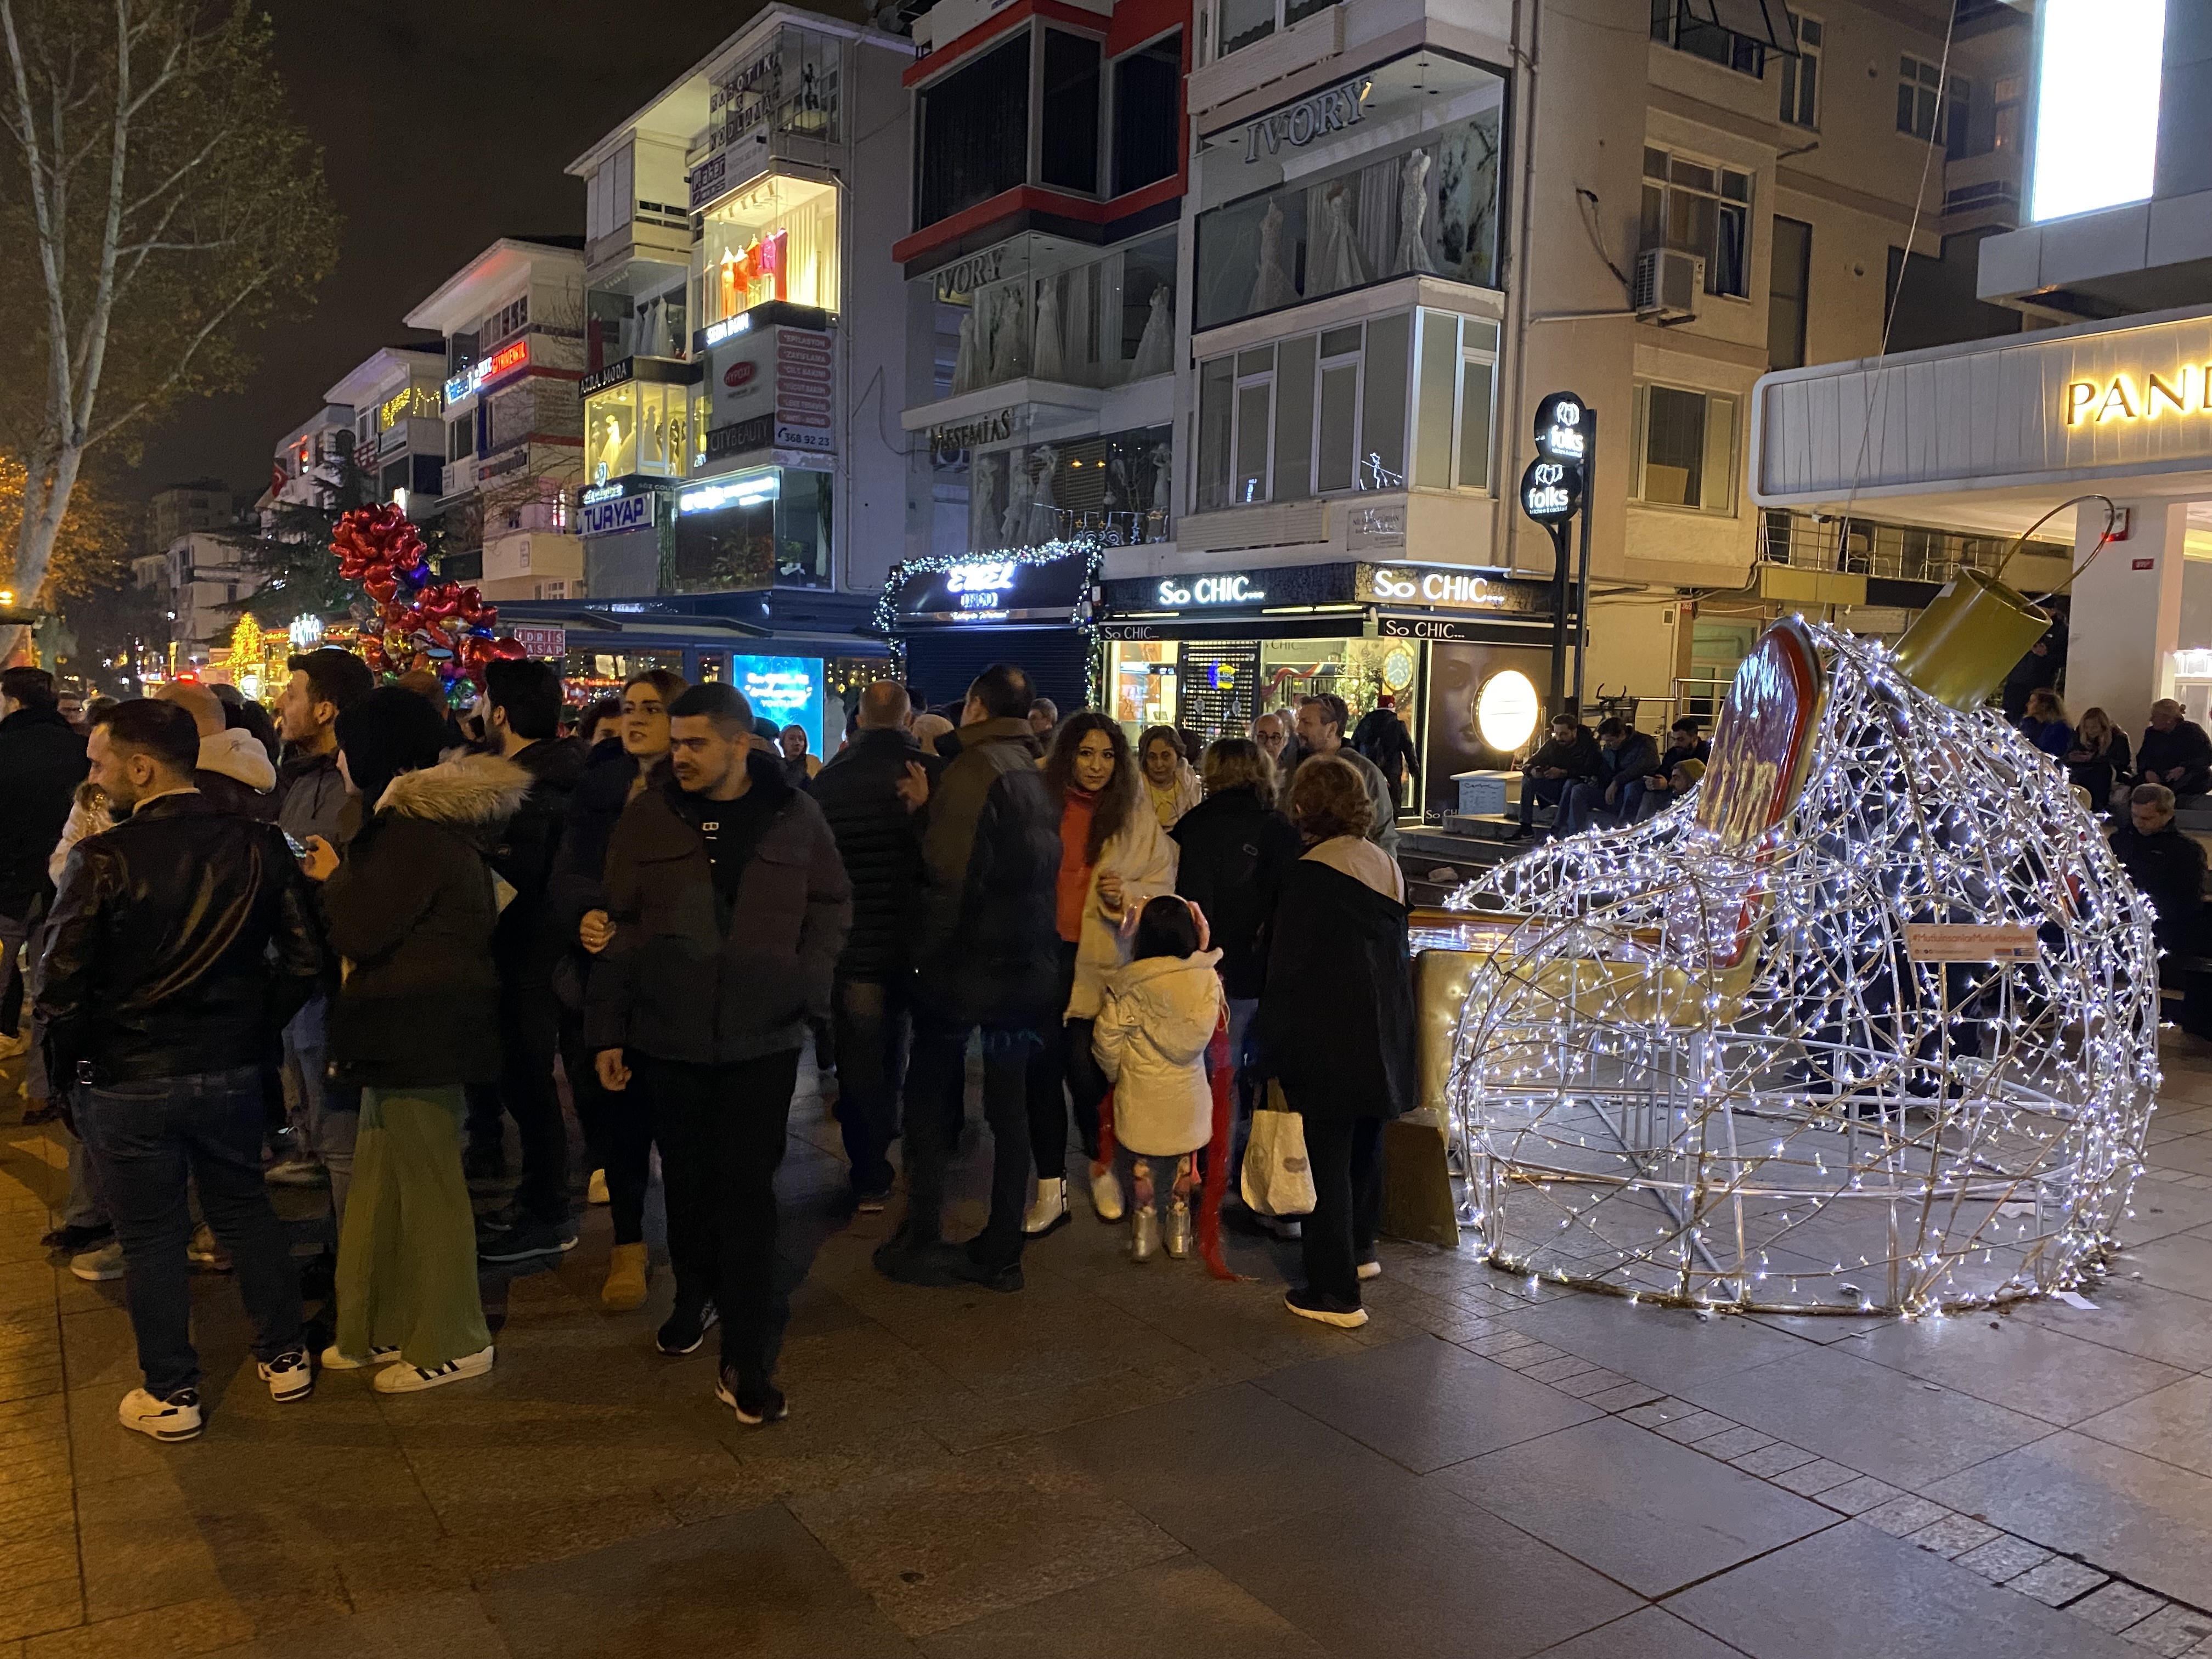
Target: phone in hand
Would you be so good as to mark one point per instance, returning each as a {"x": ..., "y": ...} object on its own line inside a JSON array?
[{"x": 299, "y": 847}]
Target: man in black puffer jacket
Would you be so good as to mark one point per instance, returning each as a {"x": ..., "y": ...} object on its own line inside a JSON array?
[
  {"x": 859, "y": 793},
  {"x": 985, "y": 945},
  {"x": 42, "y": 761}
]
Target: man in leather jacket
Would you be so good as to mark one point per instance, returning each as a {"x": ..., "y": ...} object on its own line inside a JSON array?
[{"x": 180, "y": 943}]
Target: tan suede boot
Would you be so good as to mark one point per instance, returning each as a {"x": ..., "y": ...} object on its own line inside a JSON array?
[{"x": 625, "y": 1286}]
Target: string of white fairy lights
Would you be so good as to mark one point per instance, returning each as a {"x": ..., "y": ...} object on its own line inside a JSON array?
[{"x": 1828, "y": 1125}]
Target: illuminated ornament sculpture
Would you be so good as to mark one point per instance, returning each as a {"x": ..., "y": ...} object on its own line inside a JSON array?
[
  {"x": 418, "y": 622},
  {"x": 1868, "y": 1023}
]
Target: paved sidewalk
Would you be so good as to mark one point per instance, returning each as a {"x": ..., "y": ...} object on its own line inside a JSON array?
[{"x": 1124, "y": 1460}]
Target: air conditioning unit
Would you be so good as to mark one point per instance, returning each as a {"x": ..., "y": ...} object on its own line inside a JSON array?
[{"x": 1668, "y": 285}]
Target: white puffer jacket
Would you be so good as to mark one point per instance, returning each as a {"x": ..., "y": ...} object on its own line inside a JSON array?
[
  {"x": 1159, "y": 1014},
  {"x": 1143, "y": 855}
]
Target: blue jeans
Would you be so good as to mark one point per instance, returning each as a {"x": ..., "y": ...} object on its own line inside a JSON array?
[
  {"x": 143, "y": 1139},
  {"x": 330, "y": 1112}
]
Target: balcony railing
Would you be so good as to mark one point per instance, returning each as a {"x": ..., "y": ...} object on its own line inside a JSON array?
[{"x": 1861, "y": 547}]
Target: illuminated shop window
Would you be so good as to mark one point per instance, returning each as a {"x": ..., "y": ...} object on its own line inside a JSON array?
[
  {"x": 638, "y": 427},
  {"x": 777, "y": 241}
]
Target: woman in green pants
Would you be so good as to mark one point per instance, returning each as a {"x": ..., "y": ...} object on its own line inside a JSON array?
[{"x": 411, "y": 906}]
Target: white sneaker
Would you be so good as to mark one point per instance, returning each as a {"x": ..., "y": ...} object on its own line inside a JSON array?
[
  {"x": 334, "y": 1360},
  {"x": 1371, "y": 1269},
  {"x": 404, "y": 1378},
  {"x": 177, "y": 1418},
  {"x": 289, "y": 1376},
  {"x": 97, "y": 1267},
  {"x": 1106, "y": 1194},
  {"x": 595, "y": 1191},
  {"x": 1049, "y": 1209}
]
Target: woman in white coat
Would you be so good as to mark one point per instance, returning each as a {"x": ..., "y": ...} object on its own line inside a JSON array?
[
  {"x": 1114, "y": 857},
  {"x": 1159, "y": 1016}
]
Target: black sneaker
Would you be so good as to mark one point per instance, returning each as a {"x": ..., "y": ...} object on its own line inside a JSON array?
[
  {"x": 931, "y": 1264},
  {"x": 289, "y": 1376},
  {"x": 76, "y": 1240},
  {"x": 526, "y": 1239},
  {"x": 1003, "y": 1276},
  {"x": 1308, "y": 1303},
  {"x": 755, "y": 1403},
  {"x": 686, "y": 1329}
]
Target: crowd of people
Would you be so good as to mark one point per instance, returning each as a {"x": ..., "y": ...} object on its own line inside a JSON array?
[
  {"x": 1613, "y": 776},
  {"x": 342, "y": 949}
]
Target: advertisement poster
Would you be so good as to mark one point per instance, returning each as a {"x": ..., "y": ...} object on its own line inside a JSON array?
[
  {"x": 784, "y": 689},
  {"x": 785, "y": 379}
]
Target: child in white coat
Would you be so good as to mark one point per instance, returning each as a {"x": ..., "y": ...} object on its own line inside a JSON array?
[{"x": 1158, "y": 1016}]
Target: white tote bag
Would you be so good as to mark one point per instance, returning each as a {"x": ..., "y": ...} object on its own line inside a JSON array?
[{"x": 1278, "y": 1179}]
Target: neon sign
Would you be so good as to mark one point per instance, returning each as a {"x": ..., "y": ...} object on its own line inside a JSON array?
[
  {"x": 1211, "y": 590},
  {"x": 478, "y": 375},
  {"x": 2120, "y": 400}
]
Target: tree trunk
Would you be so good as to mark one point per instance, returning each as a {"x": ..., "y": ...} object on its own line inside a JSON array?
[{"x": 46, "y": 493}]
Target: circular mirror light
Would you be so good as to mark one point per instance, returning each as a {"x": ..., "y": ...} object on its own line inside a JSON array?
[{"x": 1506, "y": 710}]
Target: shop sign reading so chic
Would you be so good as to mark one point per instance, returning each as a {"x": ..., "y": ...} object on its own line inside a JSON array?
[{"x": 1330, "y": 110}]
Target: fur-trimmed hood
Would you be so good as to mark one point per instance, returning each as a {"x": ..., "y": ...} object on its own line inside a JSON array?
[
  {"x": 238, "y": 754},
  {"x": 469, "y": 792}
]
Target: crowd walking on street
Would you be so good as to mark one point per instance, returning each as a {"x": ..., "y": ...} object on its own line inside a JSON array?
[{"x": 341, "y": 950}]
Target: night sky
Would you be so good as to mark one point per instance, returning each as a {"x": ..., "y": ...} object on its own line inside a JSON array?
[{"x": 445, "y": 124}]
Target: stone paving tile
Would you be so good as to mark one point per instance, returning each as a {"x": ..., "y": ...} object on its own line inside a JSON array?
[
  {"x": 1770, "y": 1460},
  {"x": 1902, "y": 1516},
  {"x": 1661, "y": 1411},
  {"x": 2058, "y": 1580},
  {"x": 2172, "y": 1631},
  {"x": 1810, "y": 1479},
  {"x": 1624, "y": 1397},
  {"x": 1558, "y": 1370},
  {"x": 1854, "y": 1496},
  {"x": 2116, "y": 1607},
  {"x": 1688, "y": 1430},
  {"x": 1732, "y": 1444},
  {"x": 1954, "y": 1535},
  {"x": 2003, "y": 1559},
  {"x": 1582, "y": 1384}
]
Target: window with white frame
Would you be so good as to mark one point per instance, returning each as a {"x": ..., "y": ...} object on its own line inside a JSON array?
[
  {"x": 1327, "y": 414},
  {"x": 1700, "y": 207},
  {"x": 1923, "y": 102},
  {"x": 1684, "y": 449},
  {"x": 1679, "y": 24},
  {"x": 1239, "y": 23},
  {"x": 1800, "y": 75},
  {"x": 510, "y": 318}
]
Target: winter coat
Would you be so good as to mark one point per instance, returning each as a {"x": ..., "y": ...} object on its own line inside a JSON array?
[
  {"x": 411, "y": 909},
  {"x": 2167, "y": 868},
  {"x": 879, "y": 841},
  {"x": 1335, "y": 1022},
  {"x": 1231, "y": 855},
  {"x": 1383, "y": 819},
  {"x": 1382, "y": 737},
  {"x": 984, "y": 929},
  {"x": 1168, "y": 805},
  {"x": 1157, "y": 1016},
  {"x": 236, "y": 775},
  {"x": 2053, "y": 738},
  {"x": 691, "y": 976},
  {"x": 180, "y": 942},
  {"x": 2100, "y": 773},
  {"x": 1144, "y": 856},
  {"x": 529, "y": 938},
  {"x": 42, "y": 761},
  {"x": 1577, "y": 757},
  {"x": 311, "y": 794},
  {"x": 2186, "y": 747}
]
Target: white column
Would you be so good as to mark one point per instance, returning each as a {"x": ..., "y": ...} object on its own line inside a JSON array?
[{"x": 2127, "y": 613}]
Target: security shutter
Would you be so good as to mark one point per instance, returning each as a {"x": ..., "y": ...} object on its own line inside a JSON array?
[{"x": 944, "y": 662}]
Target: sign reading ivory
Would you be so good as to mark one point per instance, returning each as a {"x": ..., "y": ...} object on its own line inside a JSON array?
[{"x": 1330, "y": 110}]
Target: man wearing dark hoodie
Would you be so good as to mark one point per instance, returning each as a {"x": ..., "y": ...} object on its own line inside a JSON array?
[
  {"x": 235, "y": 774},
  {"x": 522, "y": 715},
  {"x": 985, "y": 945},
  {"x": 729, "y": 907}
]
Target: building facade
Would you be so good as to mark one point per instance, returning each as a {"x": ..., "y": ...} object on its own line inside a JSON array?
[
  {"x": 399, "y": 429},
  {"x": 513, "y": 321}
]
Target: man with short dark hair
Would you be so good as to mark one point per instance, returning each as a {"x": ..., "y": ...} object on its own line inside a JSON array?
[
  {"x": 181, "y": 942},
  {"x": 2167, "y": 866},
  {"x": 859, "y": 794},
  {"x": 1321, "y": 719},
  {"x": 1624, "y": 754},
  {"x": 521, "y": 710},
  {"x": 1382, "y": 737},
  {"x": 730, "y": 908},
  {"x": 985, "y": 945},
  {"x": 1044, "y": 714},
  {"x": 42, "y": 761},
  {"x": 1569, "y": 755}
]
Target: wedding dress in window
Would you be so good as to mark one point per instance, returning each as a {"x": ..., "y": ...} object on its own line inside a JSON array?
[
  {"x": 1413, "y": 215},
  {"x": 1273, "y": 288},
  {"x": 1156, "y": 348},
  {"x": 1014, "y": 526},
  {"x": 1336, "y": 254},
  {"x": 963, "y": 362},
  {"x": 1047, "y": 361},
  {"x": 1010, "y": 346},
  {"x": 982, "y": 485}
]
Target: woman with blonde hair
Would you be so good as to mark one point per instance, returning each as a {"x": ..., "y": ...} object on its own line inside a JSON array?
[
  {"x": 2099, "y": 760},
  {"x": 1170, "y": 787}
]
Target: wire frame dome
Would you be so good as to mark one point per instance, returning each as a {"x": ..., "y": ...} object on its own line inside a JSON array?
[{"x": 1885, "y": 1040}]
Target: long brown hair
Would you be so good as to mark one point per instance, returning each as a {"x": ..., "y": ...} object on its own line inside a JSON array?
[{"x": 1118, "y": 799}]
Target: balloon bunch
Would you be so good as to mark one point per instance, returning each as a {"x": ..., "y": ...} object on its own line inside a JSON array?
[{"x": 419, "y": 622}]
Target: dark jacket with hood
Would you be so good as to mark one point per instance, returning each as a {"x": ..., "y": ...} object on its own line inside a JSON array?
[
  {"x": 985, "y": 931},
  {"x": 2167, "y": 868},
  {"x": 42, "y": 761},
  {"x": 411, "y": 908},
  {"x": 1335, "y": 1022},
  {"x": 879, "y": 840},
  {"x": 181, "y": 941},
  {"x": 311, "y": 797},
  {"x": 693, "y": 976},
  {"x": 1234, "y": 851},
  {"x": 529, "y": 939},
  {"x": 2185, "y": 747}
]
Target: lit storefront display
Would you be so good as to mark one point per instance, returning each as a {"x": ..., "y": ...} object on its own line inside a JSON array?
[
  {"x": 1211, "y": 654},
  {"x": 955, "y": 617},
  {"x": 763, "y": 527},
  {"x": 774, "y": 240},
  {"x": 644, "y": 415},
  {"x": 990, "y": 486}
]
